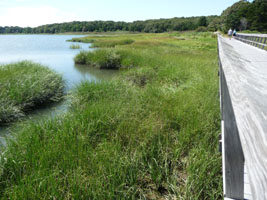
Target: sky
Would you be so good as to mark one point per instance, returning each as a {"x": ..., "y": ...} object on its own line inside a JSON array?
[{"x": 33, "y": 13}]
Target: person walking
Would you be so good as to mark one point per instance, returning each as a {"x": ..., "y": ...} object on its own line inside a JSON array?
[
  {"x": 230, "y": 33},
  {"x": 234, "y": 33}
]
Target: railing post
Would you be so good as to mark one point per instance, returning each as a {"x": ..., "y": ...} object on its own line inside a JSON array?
[
  {"x": 233, "y": 158},
  {"x": 263, "y": 47},
  {"x": 257, "y": 41},
  {"x": 254, "y": 41},
  {"x": 260, "y": 41}
]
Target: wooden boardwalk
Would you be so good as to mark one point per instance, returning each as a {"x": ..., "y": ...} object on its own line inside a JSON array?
[{"x": 243, "y": 88}]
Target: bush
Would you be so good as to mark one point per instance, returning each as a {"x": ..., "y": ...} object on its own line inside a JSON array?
[{"x": 201, "y": 29}]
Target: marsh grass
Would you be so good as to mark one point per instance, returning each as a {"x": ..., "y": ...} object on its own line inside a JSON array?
[
  {"x": 24, "y": 86},
  {"x": 75, "y": 46},
  {"x": 111, "y": 43},
  {"x": 152, "y": 133},
  {"x": 101, "y": 58}
]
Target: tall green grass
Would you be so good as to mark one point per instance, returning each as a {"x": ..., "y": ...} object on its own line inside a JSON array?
[
  {"x": 101, "y": 58},
  {"x": 152, "y": 133},
  {"x": 75, "y": 46},
  {"x": 99, "y": 43},
  {"x": 24, "y": 86}
]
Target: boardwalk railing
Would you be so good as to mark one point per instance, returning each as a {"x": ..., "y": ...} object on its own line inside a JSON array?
[
  {"x": 233, "y": 159},
  {"x": 243, "y": 97},
  {"x": 257, "y": 40}
]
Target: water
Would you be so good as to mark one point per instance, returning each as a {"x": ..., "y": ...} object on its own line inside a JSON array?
[{"x": 54, "y": 52}]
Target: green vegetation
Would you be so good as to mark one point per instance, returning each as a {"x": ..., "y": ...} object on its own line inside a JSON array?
[
  {"x": 151, "y": 133},
  {"x": 111, "y": 43},
  {"x": 75, "y": 46},
  {"x": 103, "y": 59},
  {"x": 24, "y": 86},
  {"x": 243, "y": 15}
]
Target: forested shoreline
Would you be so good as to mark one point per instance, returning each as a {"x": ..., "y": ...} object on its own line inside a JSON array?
[
  {"x": 149, "y": 26},
  {"x": 243, "y": 15}
]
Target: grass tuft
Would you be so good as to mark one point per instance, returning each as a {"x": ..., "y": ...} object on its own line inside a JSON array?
[
  {"x": 75, "y": 46},
  {"x": 101, "y": 58},
  {"x": 24, "y": 86}
]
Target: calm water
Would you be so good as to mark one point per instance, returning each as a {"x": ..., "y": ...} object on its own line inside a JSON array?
[{"x": 52, "y": 51}]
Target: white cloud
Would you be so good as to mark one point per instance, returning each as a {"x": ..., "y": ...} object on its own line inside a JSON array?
[{"x": 34, "y": 16}]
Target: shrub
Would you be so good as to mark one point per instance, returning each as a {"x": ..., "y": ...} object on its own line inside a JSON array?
[{"x": 201, "y": 29}]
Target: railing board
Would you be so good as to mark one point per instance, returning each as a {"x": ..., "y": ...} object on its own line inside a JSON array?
[
  {"x": 257, "y": 40},
  {"x": 252, "y": 35}
]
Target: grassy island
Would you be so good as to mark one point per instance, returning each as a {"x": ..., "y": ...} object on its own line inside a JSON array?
[
  {"x": 151, "y": 133},
  {"x": 25, "y": 86},
  {"x": 75, "y": 46}
]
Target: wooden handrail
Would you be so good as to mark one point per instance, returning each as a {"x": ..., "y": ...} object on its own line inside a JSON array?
[{"x": 257, "y": 40}]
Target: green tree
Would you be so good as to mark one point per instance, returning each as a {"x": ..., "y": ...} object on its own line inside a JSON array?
[{"x": 202, "y": 21}]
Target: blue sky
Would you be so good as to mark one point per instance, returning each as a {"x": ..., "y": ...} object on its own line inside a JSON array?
[{"x": 39, "y": 12}]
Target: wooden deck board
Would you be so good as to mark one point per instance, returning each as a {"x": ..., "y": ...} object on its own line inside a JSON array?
[
  {"x": 247, "y": 190},
  {"x": 245, "y": 69}
]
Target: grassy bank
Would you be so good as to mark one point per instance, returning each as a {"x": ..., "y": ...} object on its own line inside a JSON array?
[
  {"x": 150, "y": 134},
  {"x": 24, "y": 86}
]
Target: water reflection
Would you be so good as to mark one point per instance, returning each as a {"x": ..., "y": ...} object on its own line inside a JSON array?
[{"x": 96, "y": 73}]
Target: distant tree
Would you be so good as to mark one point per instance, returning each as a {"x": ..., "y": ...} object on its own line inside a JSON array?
[
  {"x": 243, "y": 24},
  {"x": 202, "y": 29},
  {"x": 202, "y": 21},
  {"x": 232, "y": 15},
  {"x": 257, "y": 15},
  {"x": 215, "y": 24},
  {"x": 150, "y": 26}
]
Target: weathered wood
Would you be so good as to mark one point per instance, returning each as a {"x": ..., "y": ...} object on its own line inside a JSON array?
[
  {"x": 245, "y": 73},
  {"x": 257, "y": 40},
  {"x": 252, "y": 34},
  {"x": 263, "y": 40},
  {"x": 247, "y": 190},
  {"x": 233, "y": 160}
]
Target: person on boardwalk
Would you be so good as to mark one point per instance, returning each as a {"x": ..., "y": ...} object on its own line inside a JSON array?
[
  {"x": 230, "y": 33},
  {"x": 234, "y": 33}
]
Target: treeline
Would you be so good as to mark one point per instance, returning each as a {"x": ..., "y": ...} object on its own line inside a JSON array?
[
  {"x": 243, "y": 15},
  {"x": 148, "y": 26}
]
